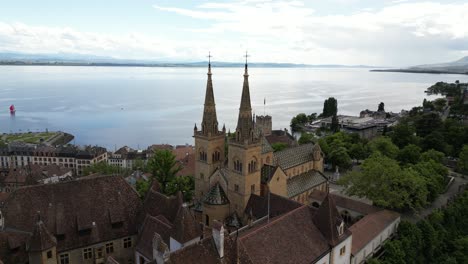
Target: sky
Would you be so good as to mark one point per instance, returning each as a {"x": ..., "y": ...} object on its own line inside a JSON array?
[{"x": 352, "y": 32}]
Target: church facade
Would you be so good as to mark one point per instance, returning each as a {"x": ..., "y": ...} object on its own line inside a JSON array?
[{"x": 230, "y": 168}]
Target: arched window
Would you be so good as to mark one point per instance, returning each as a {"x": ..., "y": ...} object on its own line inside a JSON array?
[
  {"x": 203, "y": 155},
  {"x": 238, "y": 166},
  {"x": 253, "y": 165}
]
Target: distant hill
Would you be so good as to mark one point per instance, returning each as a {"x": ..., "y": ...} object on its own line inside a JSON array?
[
  {"x": 457, "y": 67},
  {"x": 65, "y": 59}
]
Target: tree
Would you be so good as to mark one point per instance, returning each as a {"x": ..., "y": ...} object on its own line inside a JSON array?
[
  {"x": 358, "y": 151},
  {"x": 330, "y": 107},
  {"x": 298, "y": 121},
  {"x": 339, "y": 157},
  {"x": 184, "y": 184},
  {"x": 385, "y": 146},
  {"x": 383, "y": 181},
  {"x": 462, "y": 164},
  {"x": 381, "y": 107},
  {"x": 335, "y": 126},
  {"x": 142, "y": 187},
  {"x": 434, "y": 140},
  {"x": 306, "y": 138},
  {"x": 104, "y": 168},
  {"x": 434, "y": 155},
  {"x": 278, "y": 146},
  {"x": 409, "y": 154},
  {"x": 428, "y": 123},
  {"x": 164, "y": 168},
  {"x": 403, "y": 134}
]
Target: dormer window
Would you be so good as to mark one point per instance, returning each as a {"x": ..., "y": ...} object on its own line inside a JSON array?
[{"x": 340, "y": 228}]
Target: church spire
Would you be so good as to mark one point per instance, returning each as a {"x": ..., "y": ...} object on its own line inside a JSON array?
[
  {"x": 244, "y": 130},
  {"x": 210, "y": 121}
]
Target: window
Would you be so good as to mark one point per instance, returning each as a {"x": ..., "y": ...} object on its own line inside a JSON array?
[
  {"x": 252, "y": 188},
  {"x": 87, "y": 253},
  {"x": 342, "y": 250},
  {"x": 109, "y": 247},
  {"x": 238, "y": 166},
  {"x": 127, "y": 242},
  {"x": 207, "y": 220},
  {"x": 64, "y": 259},
  {"x": 99, "y": 252},
  {"x": 203, "y": 156},
  {"x": 49, "y": 254},
  {"x": 236, "y": 187}
]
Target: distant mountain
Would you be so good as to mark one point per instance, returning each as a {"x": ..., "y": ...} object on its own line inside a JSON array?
[
  {"x": 457, "y": 67},
  {"x": 66, "y": 59}
]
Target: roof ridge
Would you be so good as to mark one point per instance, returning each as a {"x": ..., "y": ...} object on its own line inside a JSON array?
[{"x": 275, "y": 220}]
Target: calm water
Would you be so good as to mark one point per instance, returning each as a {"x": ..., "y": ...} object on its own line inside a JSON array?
[{"x": 116, "y": 106}]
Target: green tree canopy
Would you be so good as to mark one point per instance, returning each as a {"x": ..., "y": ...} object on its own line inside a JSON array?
[
  {"x": 385, "y": 146},
  {"x": 185, "y": 184},
  {"x": 339, "y": 157},
  {"x": 164, "y": 168},
  {"x": 434, "y": 155},
  {"x": 279, "y": 146},
  {"x": 409, "y": 154},
  {"x": 330, "y": 107},
  {"x": 306, "y": 138},
  {"x": 462, "y": 164},
  {"x": 383, "y": 181}
]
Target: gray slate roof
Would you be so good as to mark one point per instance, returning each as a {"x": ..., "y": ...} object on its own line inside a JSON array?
[
  {"x": 292, "y": 157},
  {"x": 304, "y": 182}
]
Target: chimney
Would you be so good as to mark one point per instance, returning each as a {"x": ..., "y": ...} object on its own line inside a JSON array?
[
  {"x": 160, "y": 250},
  {"x": 218, "y": 236}
]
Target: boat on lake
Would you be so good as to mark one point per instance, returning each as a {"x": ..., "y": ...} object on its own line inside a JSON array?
[{"x": 12, "y": 109}]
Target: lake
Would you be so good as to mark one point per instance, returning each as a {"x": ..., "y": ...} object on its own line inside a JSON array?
[{"x": 137, "y": 106}]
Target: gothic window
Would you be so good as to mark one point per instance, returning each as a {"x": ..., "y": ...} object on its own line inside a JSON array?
[
  {"x": 216, "y": 156},
  {"x": 238, "y": 166},
  {"x": 252, "y": 166},
  {"x": 207, "y": 220},
  {"x": 203, "y": 155}
]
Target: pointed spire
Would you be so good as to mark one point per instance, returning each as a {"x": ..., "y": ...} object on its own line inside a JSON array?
[
  {"x": 244, "y": 128},
  {"x": 210, "y": 121}
]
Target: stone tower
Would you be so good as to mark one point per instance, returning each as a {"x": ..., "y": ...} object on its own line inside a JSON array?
[
  {"x": 244, "y": 155},
  {"x": 264, "y": 124},
  {"x": 209, "y": 143}
]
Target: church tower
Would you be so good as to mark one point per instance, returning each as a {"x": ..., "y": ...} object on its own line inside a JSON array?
[
  {"x": 244, "y": 154},
  {"x": 209, "y": 142}
]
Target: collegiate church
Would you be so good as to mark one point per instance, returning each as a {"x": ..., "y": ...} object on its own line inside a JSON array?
[{"x": 226, "y": 182}]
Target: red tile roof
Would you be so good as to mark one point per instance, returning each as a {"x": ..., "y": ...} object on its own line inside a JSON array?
[
  {"x": 69, "y": 206},
  {"x": 370, "y": 227},
  {"x": 345, "y": 202},
  {"x": 327, "y": 219},
  {"x": 290, "y": 238}
]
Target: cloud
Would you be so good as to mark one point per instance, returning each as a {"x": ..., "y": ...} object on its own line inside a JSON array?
[
  {"x": 398, "y": 33},
  {"x": 371, "y": 35}
]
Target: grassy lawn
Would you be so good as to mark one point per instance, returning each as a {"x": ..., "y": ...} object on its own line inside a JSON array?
[{"x": 28, "y": 137}]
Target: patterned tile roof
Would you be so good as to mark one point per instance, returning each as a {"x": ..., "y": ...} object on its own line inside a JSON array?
[
  {"x": 266, "y": 147},
  {"x": 304, "y": 182},
  {"x": 216, "y": 196},
  {"x": 267, "y": 172},
  {"x": 292, "y": 157}
]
